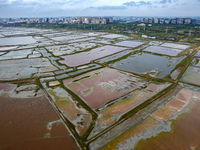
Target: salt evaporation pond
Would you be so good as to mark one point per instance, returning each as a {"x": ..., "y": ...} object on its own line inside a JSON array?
[
  {"x": 100, "y": 86},
  {"x": 143, "y": 63},
  {"x": 86, "y": 57},
  {"x": 163, "y": 50},
  {"x": 197, "y": 54},
  {"x": 7, "y": 48},
  {"x": 69, "y": 37},
  {"x": 30, "y": 122},
  {"x": 173, "y": 45},
  {"x": 129, "y": 43},
  {"x": 192, "y": 75},
  {"x": 112, "y": 36},
  {"x": 17, "y": 40},
  {"x": 114, "y": 56}
]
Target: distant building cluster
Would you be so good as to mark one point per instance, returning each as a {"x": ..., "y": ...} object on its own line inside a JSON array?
[
  {"x": 62, "y": 20},
  {"x": 171, "y": 21},
  {"x": 101, "y": 20}
]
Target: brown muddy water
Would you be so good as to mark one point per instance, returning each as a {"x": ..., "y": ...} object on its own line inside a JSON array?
[
  {"x": 30, "y": 124},
  {"x": 185, "y": 133}
]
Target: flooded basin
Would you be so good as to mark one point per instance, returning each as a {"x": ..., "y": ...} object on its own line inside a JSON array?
[
  {"x": 192, "y": 75},
  {"x": 197, "y": 54},
  {"x": 160, "y": 121},
  {"x": 173, "y": 45},
  {"x": 111, "y": 112},
  {"x": 24, "y": 68},
  {"x": 30, "y": 122},
  {"x": 16, "y": 54},
  {"x": 153, "y": 65},
  {"x": 70, "y": 108},
  {"x": 86, "y": 57},
  {"x": 68, "y": 37},
  {"x": 71, "y": 48},
  {"x": 121, "y": 142},
  {"x": 24, "y": 40},
  {"x": 163, "y": 50},
  {"x": 185, "y": 133},
  {"x": 7, "y": 48},
  {"x": 100, "y": 86},
  {"x": 113, "y": 57},
  {"x": 112, "y": 36},
  {"x": 129, "y": 43}
]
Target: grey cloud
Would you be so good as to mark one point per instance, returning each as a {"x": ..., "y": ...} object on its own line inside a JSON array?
[
  {"x": 165, "y": 1},
  {"x": 137, "y": 4},
  {"x": 109, "y": 7},
  {"x": 131, "y": 3}
]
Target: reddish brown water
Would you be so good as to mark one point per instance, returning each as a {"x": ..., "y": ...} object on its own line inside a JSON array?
[
  {"x": 185, "y": 133},
  {"x": 86, "y": 57},
  {"x": 23, "y": 125},
  {"x": 100, "y": 95}
]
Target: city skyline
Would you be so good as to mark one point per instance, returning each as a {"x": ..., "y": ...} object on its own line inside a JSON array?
[{"x": 51, "y": 8}]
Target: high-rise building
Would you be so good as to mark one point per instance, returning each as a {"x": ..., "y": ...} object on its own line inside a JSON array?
[
  {"x": 187, "y": 21},
  {"x": 161, "y": 20},
  {"x": 156, "y": 20},
  {"x": 180, "y": 20},
  {"x": 167, "y": 20},
  {"x": 173, "y": 21}
]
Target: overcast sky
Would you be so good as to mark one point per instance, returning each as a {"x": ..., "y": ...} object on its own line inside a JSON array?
[{"x": 57, "y": 8}]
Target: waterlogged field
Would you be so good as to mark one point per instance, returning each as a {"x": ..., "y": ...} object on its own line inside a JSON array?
[{"x": 93, "y": 90}]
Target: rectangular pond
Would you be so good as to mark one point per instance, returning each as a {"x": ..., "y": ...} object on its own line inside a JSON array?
[
  {"x": 163, "y": 50},
  {"x": 197, "y": 54},
  {"x": 86, "y": 57},
  {"x": 23, "y": 40},
  {"x": 173, "y": 45},
  {"x": 192, "y": 75},
  {"x": 112, "y": 36},
  {"x": 143, "y": 63},
  {"x": 131, "y": 44},
  {"x": 71, "y": 48},
  {"x": 100, "y": 86}
]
